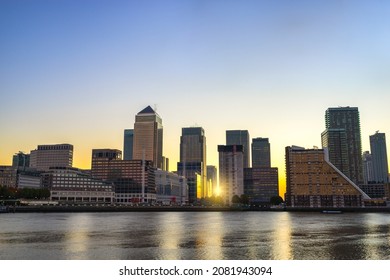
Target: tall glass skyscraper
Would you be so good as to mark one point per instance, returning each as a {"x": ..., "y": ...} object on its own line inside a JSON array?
[
  {"x": 261, "y": 152},
  {"x": 148, "y": 137},
  {"x": 368, "y": 172},
  {"x": 379, "y": 158},
  {"x": 240, "y": 137},
  {"x": 231, "y": 171},
  {"x": 128, "y": 144},
  {"x": 192, "y": 163},
  {"x": 343, "y": 139}
]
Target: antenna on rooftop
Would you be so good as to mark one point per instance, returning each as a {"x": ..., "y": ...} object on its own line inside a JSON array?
[{"x": 155, "y": 107}]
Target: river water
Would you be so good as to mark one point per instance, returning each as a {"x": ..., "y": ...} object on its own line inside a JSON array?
[{"x": 195, "y": 236}]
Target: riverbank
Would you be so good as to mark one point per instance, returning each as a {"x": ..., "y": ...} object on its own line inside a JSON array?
[{"x": 53, "y": 209}]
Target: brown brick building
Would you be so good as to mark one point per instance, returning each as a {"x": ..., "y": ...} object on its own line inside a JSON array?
[{"x": 312, "y": 181}]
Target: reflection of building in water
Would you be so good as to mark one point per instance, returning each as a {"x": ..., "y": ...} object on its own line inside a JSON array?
[
  {"x": 281, "y": 237},
  {"x": 312, "y": 181},
  {"x": 170, "y": 235},
  {"x": 209, "y": 239}
]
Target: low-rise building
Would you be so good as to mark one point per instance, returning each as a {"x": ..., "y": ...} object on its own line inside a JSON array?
[{"x": 71, "y": 186}]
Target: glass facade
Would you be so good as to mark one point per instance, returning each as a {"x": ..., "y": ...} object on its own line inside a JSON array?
[
  {"x": 148, "y": 137},
  {"x": 261, "y": 152},
  {"x": 342, "y": 137},
  {"x": 240, "y": 137},
  {"x": 260, "y": 184},
  {"x": 379, "y": 158},
  {"x": 128, "y": 144}
]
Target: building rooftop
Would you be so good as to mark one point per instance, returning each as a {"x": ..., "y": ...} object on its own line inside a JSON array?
[{"x": 147, "y": 110}]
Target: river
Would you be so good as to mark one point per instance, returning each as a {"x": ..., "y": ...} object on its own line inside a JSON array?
[{"x": 195, "y": 236}]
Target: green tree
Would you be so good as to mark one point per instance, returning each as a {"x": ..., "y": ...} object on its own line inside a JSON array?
[
  {"x": 236, "y": 199},
  {"x": 276, "y": 200},
  {"x": 244, "y": 199}
]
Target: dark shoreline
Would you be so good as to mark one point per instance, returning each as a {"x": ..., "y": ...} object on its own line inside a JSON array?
[{"x": 79, "y": 209}]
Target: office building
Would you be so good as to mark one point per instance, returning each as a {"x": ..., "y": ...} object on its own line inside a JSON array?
[
  {"x": 313, "y": 181},
  {"x": 261, "y": 152},
  {"x": 377, "y": 190},
  {"x": 21, "y": 160},
  {"x": 343, "y": 140},
  {"x": 19, "y": 177},
  {"x": 128, "y": 144},
  {"x": 46, "y": 156},
  {"x": 72, "y": 186},
  {"x": 240, "y": 137},
  {"x": 192, "y": 172},
  {"x": 231, "y": 171},
  {"x": 101, "y": 161},
  {"x": 171, "y": 189},
  {"x": 368, "y": 171},
  {"x": 212, "y": 182},
  {"x": 379, "y": 158},
  {"x": 134, "y": 180},
  {"x": 192, "y": 163},
  {"x": 261, "y": 184},
  {"x": 148, "y": 137},
  {"x": 165, "y": 163}
]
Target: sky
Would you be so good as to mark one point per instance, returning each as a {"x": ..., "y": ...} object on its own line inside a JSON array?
[{"x": 79, "y": 71}]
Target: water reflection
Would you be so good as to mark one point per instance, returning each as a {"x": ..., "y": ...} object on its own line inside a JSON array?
[
  {"x": 209, "y": 237},
  {"x": 76, "y": 236},
  {"x": 376, "y": 230},
  {"x": 184, "y": 235},
  {"x": 281, "y": 237},
  {"x": 170, "y": 235}
]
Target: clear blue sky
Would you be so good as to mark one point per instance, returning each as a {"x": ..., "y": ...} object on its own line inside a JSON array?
[{"x": 79, "y": 71}]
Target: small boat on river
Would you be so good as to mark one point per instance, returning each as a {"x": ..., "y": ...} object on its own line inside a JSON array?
[{"x": 332, "y": 212}]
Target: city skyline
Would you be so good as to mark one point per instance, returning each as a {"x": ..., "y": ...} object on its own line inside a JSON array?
[{"x": 78, "y": 73}]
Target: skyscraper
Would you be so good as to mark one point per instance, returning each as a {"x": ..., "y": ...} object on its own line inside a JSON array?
[
  {"x": 192, "y": 163},
  {"x": 148, "y": 137},
  {"x": 192, "y": 144},
  {"x": 240, "y": 137},
  {"x": 336, "y": 142},
  {"x": 343, "y": 140},
  {"x": 368, "y": 172},
  {"x": 212, "y": 179},
  {"x": 231, "y": 171},
  {"x": 261, "y": 152},
  {"x": 128, "y": 144},
  {"x": 379, "y": 158}
]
